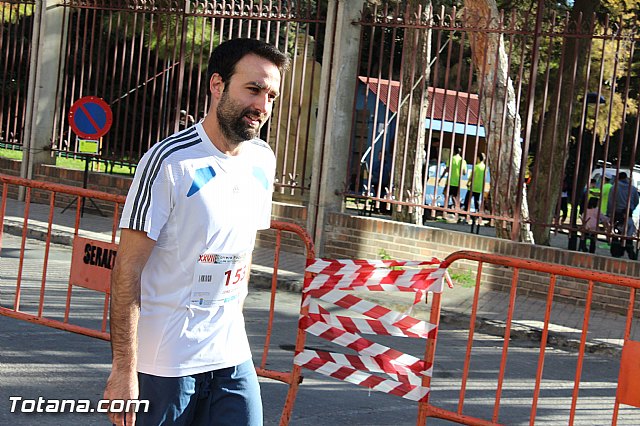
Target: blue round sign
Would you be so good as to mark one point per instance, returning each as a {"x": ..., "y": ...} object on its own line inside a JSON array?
[{"x": 90, "y": 117}]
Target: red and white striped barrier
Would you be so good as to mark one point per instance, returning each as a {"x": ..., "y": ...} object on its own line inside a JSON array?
[
  {"x": 385, "y": 320},
  {"x": 330, "y": 284},
  {"x": 332, "y": 266},
  {"x": 361, "y": 378}
]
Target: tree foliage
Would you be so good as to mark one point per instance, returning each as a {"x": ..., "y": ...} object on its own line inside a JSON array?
[
  {"x": 10, "y": 13},
  {"x": 586, "y": 47},
  {"x": 163, "y": 32}
]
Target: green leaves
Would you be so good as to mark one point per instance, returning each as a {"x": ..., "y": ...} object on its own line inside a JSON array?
[
  {"x": 10, "y": 13},
  {"x": 163, "y": 33}
]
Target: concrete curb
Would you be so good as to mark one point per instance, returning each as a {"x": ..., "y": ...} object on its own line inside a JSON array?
[
  {"x": 38, "y": 232},
  {"x": 522, "y": 332},
  {"x": 261, "y": 277}
]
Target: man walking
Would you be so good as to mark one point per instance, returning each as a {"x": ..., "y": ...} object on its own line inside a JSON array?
[
  {"x": 457, "y": 168},
  {"x": 623, "y": 200},
  {"x": 188, "y": 230},
  {"x": 475, "y": 186}
]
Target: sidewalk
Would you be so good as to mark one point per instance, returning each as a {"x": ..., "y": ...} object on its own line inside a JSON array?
[{"x": 605, "y": 328}]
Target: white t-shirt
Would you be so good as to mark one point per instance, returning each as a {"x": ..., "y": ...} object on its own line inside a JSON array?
[{"x": 203, "y": 208}]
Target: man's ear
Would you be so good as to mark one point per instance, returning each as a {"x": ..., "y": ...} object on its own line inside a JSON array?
[{"x": 216, "y": 85}]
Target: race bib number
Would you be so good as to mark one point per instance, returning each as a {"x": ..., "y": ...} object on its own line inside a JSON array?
[{"x": 219, "y": 279}]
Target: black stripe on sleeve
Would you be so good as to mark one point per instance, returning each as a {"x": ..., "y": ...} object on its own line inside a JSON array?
[{"x": 143, "y": 195}]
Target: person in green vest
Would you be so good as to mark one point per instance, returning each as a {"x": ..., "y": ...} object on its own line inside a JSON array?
[
  {"x": 594, "y": 191},
  {"x": 606, "y": 189},
  {"x": 476, "y": 184},
  {"x": 455, "y": 170}
]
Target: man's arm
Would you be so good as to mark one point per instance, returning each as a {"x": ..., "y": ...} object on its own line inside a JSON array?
[{"x": 133, "y": 253}]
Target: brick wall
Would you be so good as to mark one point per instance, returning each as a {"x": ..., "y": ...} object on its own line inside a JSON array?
[
  {"x": 286, "y": 213},
  {"x": 10, "y": 167},
  {"x": 113, "y": 184}
]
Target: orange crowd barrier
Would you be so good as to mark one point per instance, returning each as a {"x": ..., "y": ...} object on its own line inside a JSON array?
[
  {"x": 628, "y": 391},
  {"x": 385, "y": 369},
  {"x": 91, "y": 262},
  {"x": 29, "y": 299},
  {"x": 293, "y": 378}
]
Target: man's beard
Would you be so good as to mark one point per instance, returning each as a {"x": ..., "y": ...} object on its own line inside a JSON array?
[{"x": 231, "y": 120}]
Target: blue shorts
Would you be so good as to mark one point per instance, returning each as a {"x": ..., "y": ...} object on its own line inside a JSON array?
[{"x": 230, "y": 396}]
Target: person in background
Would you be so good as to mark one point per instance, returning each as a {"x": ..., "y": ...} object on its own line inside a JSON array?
[
  {"x": 475, "y": 184},
  {"x": 623, "y": 200},
  {"x": 564, "y": 203},
  {"x": 592, "y": 191},
  {"x": 590, "y": 221},
  {"x": 606, "y": 189},
  {"x": 455, "y": 171}
]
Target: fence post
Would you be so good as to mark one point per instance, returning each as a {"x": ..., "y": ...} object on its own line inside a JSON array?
[
  {"x": 181, "y": 68},
  {"x": 45, "y": 73},
  {"x": 333, "y": 130}
]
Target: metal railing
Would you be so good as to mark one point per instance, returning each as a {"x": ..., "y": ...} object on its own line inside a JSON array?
[
  {"x": 16, "y": 21},
  {"x": 591, "y": 280},
  {"x": 148, "y": 60},
  {"x": 578, "y": 123}
]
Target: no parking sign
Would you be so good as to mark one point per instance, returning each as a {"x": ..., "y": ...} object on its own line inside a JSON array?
[{"x": 90, "y": 117}]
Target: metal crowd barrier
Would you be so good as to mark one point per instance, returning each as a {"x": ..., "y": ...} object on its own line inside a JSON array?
[
  {"x": 377, "y": 367},
  {"x": 86, "y": 292},
  {"x": 627, "y": 392},
  {"x": 330, "y": 278},
  {"x": 29, "y": 299}
]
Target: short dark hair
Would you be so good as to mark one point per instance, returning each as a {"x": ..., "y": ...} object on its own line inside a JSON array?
[
  {"x": 224, "y": 58},
  {"x": 482, "y": 157},
  {"x": 457, "y": 150},
  {"x": 622, "y": 176}
]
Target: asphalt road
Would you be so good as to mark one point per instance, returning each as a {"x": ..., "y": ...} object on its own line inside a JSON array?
[{"x": 36, "y": 361}]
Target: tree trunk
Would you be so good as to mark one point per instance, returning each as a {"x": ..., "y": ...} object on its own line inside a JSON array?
[
  {"x": 409, "y": 156},
  {"x": 503, "y": 143},
  {"x": 552, "y": 159}
]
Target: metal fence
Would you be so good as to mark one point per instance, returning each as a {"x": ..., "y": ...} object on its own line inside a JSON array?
[
  {"x": 154, "y": 57},
  {"x": 148, "y": 60},
  {"x": 569, "y": 104},
  {"x": 426, "y": 84},
  {"x": 15, "y": 49}
]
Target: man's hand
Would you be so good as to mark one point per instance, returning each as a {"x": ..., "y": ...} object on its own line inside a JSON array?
[{"x": 122, "y": 385}]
